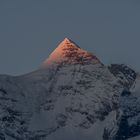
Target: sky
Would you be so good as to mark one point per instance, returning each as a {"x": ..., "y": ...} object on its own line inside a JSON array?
[{"x": 31, "y": 29}]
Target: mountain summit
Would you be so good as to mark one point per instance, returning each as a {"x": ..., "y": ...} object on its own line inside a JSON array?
[
  {"x": 74, "y": 97},
  {"x": 68, "y": 52}
]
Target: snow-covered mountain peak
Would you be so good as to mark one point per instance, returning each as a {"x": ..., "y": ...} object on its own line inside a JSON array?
[
  {"x": 76, "y": 98},
  {"x": 68, "y": 52},
  {"x": 67, "y": 40}
]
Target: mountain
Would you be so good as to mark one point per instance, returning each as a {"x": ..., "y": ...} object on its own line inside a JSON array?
[
  {"x": 72, "y": 96},
  {"x": 69, "y": 52}
]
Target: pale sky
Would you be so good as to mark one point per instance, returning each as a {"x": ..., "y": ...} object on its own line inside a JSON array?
[{"x": 31, "y": 29}]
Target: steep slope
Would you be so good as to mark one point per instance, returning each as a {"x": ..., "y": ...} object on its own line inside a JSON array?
[
  {"x": 126, "y": 76},
  {"x": 69, "y": 52},
  {"x": 127, "y": 121},
  {"x": 72, "y": 96}
]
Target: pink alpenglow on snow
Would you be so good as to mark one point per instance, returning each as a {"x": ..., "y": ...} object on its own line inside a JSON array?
[{"x": 69, "y": 52}]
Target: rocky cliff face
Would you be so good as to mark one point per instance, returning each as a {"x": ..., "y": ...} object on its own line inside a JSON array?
[
  {"x": 72, "y": 96},
  {"x": 125, "y": 75}
]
